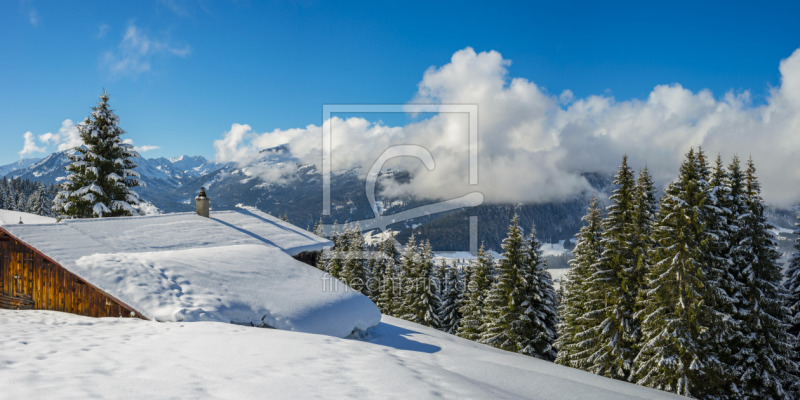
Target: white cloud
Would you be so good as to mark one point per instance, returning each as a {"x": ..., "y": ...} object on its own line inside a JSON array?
[
  {"x": 30, "y": 145},
  {"x": 140, "y": 149},
  {"x": 33, "y": 17},
  {"x": 30, "y": 12},
  {"x": 534, "y": 145},
  {"x": 102, "y": 30},
  {"x": 67, "y": 137},
  {"x": 136, "y": 51},
  {"x": 236, "y": 145}
]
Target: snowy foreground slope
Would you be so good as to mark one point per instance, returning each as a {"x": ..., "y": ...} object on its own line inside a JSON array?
[{"x": 46, "y": 354}]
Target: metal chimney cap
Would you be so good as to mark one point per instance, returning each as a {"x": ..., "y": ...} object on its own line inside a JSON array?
[{"x": 202, "y": 194}]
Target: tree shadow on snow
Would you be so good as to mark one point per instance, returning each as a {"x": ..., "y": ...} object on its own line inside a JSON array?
[{"x": 396, "y": 337}]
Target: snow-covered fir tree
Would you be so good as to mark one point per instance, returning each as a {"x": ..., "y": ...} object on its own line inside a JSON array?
[
  {"x": 334, "y": 264},
  {"x": 793, "y": 291},
  {"x": 27, "y": 196},
  {"x": 723, "y": 289},
  {"x": 481, "y": 273},
  {"x": 429, "y": 299},
  {"x": 37, "y": 201},
  {"x": 419, "y": 301},
  {"x": 504, "y": 301},
  {"x": 645, "y": 206},
  {"x": 674, "y": 314},
  {"x": 325, "y": 253},
  {"x": 618, "y": 278},
  {"x": 580, "y": 315},
  {"x": 409, "y": 260},
  {"x": 101, "y": 174},
  {"x": 534, "y": 329},
  {"x": 451, "y": 299},
  {"x": 438, "y": 281},
  {"x": 763, "y": 358},
  {"x": 387, "y": 299},
  {"x": 354, "y": 271}
]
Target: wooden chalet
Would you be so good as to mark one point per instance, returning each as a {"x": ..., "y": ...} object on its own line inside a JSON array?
[
  {"x": 29, "y": 280},
  {"x": 44, "y": 267}
]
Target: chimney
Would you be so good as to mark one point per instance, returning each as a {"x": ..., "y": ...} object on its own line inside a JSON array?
[{"x": 202, "y": 203}]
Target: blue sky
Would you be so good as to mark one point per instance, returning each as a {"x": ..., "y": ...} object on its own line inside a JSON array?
[{"x": 189, "y": 69}]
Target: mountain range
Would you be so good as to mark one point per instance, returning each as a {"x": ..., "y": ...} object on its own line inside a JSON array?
[{"x": 172, "y": 183}]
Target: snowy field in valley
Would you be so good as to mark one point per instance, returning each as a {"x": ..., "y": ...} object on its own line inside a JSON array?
[
  {"x": 462, "y": 259},
  {"x": 45, "y": 354}
]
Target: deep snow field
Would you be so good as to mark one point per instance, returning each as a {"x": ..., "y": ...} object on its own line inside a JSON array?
[{"x": 46, "y": 354}]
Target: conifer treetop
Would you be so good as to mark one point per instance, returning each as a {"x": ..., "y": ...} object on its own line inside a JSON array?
[{"x": 102, "y": 173}]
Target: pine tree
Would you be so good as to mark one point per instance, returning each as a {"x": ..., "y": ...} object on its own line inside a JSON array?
[
  {"x": 354, "y": 270},
  {"x": 722, "y": 288},
  {"x": 409, "y": 259},
  {"x": 534, "y": 330},
  {"x": 336, "y": 255},
  {"x": 451, "y": 300},
  {"x": 793, "y": 290},
  {"x": 618, "y": 278},
  {"x": 36, "y": 202},
  {"x": 671, "y": 357},
  {"x": 419, "y": 302},
  {"x": 764, "y": 356},
  {"x": 440, "y": 287},
  {"x": 580, "y": 315},
  {"x": 481, "y": 275},
  {"x": 504, "y": 302},
  {"x": 101, "y": 173},
  {"x": 387, "y": 299},
  {"x": 429, "y": 298},
  {"x": 645, "y": 206},
  {"x": 325, "y": 254}
]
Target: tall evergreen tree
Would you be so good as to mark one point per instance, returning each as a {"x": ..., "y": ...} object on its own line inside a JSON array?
[
  {"x": 335, "y": 264},
  {"x": 419, "y": 295},
  {"x": 618, "y": 277},
  {"x": 387, "y": 298},
  {"x": 409, "y": 260},
  {"x": 440, "y": 286},
  {"x": 504, "y": 302},
  {"x": 354, "y": 270},
  {"x": 722, "y": 287},
  {"x": 101, "y": 173},
  {"x": 325, "y": 254},
  {"x": 36, "y": 201},
  {"x": 534, "y": 330},
  {"x": 429, "y": 298},
  {"x": 451, "y": 300},
  {"x": 580, "y": 315},
  {"x": 793, "y": 289},
  {"x": 764, "y": 356},
  {"x": 481, "y": 273},
  {"x": 671, "y": 357}
]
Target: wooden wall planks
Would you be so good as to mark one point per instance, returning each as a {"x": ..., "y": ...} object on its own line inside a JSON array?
[{"x": 29, "y": 280}]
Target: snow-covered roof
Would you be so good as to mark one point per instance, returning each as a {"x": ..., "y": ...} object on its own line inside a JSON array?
[
  {"x": 8, "y": 217},
  {"x": 184, "y": 267},
  {"x": 271, "y": 230}
]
